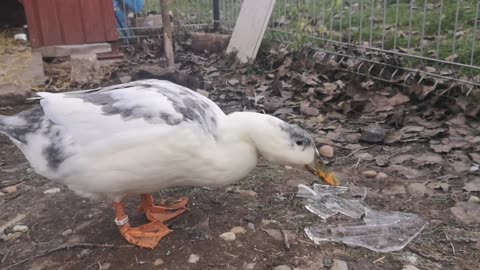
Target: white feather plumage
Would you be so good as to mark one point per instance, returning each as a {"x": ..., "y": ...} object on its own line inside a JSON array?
[{"x": 121, "y": 146}]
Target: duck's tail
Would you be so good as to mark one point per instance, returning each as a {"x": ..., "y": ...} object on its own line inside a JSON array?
[{"x": 20, "y": 125}]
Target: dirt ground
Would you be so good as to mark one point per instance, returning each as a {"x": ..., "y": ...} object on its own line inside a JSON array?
[{"x": 68, "y": 232}]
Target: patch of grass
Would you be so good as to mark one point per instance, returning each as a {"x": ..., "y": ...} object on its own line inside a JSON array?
[
  {"x": 193, "y": 11},
  {"x": 442, "y": 29}
]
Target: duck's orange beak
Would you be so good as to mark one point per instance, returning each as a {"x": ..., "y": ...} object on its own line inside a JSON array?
[{"x": 318, "y": 168}]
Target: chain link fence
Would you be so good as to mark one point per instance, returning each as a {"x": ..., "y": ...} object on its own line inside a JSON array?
[{"x": 390, "y": 40}]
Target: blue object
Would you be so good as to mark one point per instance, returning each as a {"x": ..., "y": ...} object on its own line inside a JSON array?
[{"x": 121, "y": 8}]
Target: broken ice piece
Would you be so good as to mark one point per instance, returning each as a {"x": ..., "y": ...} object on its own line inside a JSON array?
[
  {"x": 385, "y": 232},
  {"x": 319, "y": 190},
  {"x": 323, "y": 202},
  {"x": 375, "y": 230}
]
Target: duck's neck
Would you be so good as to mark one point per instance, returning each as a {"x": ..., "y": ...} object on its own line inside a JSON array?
[
  {"x": 249, "y": 127},
  {"x": 240, "y": 126},
  {"x": 235, "y": 153}
]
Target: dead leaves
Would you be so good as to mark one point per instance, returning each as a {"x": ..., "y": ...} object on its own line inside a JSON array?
[
  {"x": 398, "y": 99},
  {"x": 467, "y": 212},
  {"x": 310, "y": 80},
  {"x": 473, "y": 185},
  {"x": 308, "y": 110}
]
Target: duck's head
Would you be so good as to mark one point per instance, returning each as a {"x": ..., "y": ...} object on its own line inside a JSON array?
[{"x": 282, "y": 143}]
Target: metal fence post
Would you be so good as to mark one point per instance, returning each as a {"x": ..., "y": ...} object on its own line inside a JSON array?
[{"x": 216, "y": 15}]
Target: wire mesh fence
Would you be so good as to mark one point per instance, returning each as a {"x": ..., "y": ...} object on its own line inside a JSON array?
[
  {"x": 390, "y": 40},
  {"x": 137, "y": 19},
  {"x": 437, "y": 38}
]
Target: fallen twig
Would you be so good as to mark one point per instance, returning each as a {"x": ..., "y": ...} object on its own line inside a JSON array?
[
  {"x": 12, "y": 222},
  {"x": 451, "y": 244},
  {"x": 6, "y": 183},
  {"x": 285, "y": 240},
  {"x": 63, "y": 247},
  {"x": 6, "y": 254},
  {"x": 379, "y": 259},
  {"x": 355, "y": 151}
]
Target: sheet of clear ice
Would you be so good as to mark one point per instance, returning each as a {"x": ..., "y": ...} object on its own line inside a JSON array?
[{"x": 375, "y": 230}]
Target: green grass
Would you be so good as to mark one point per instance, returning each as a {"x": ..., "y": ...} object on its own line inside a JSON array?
[
  {"x": 387, "y": 27},
  {"x": 391, "y": 26},
  {"x": 191, "y": 11}
]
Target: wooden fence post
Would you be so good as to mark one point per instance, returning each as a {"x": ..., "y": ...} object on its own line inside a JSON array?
[{"x": 167, "y": 33}]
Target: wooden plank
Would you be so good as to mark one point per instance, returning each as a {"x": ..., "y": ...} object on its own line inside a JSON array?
[
  {"x": 48, "y": 20},
  {"x": 167, "y": 33},
  {"x": 109, "y": 21},
  {"x": 34, "y": 29},
  {"x": 250, "y": 28},
  {"x": 67, "y": 50},
  {"x": 92, "y": 21},
  {"x": 69, "y": 15}
]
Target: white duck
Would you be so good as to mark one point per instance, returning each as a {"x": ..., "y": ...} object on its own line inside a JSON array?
[{"x": 143, "y": 136}]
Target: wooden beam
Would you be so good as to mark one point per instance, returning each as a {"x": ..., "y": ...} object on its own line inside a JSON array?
[
  {"x": 250, "y": 28},
  {"x": 167, "y": 33}
]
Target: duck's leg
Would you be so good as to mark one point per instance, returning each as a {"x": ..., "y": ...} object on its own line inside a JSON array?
[
  {"x": 162, "y": 212},
  {"x": 145, "y": 236}
]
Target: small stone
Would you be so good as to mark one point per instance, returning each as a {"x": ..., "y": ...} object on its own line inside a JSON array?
[
  {"x": 193, "y": 258},
  {"x": 409, "y": 267},
  {"x": 20, "y": 228},
  {"x": 339, "y": 265},
  {"x": 282, "y": 267},
  {"x": 228, "y": 236},
  {"x": 105, "y": 266},
  {"x": 158, "y": 262},
  {"x": 238, "y": 230},
  {"x": 370, "y": 174},
  {"x": 52, "y": 191},
  {"x": 326, "y": 151},
  {"x": 270, "y": 76},
  {"x": 10, "y": 189},
  {"x": 67, "y": 232},
  {"x": 251, "y": 226},
  {"x": 2, "y": 194},
  {"x": 381, "y": 175},
  {"x": 233, "y": 82}
]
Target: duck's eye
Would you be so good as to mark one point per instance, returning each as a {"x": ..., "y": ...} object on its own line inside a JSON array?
[{"x": 299, "y": 143}]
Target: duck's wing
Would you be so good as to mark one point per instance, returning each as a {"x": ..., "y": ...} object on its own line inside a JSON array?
[{"x": 139, "y": 105}]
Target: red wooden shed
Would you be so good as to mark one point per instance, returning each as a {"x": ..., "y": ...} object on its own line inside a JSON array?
[{"x": 70, "y": 22}]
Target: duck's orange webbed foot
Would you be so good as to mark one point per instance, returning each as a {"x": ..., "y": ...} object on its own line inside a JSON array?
[
  {"x": 145, "y": 236},
  {"x": 164, "y": 211}
]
